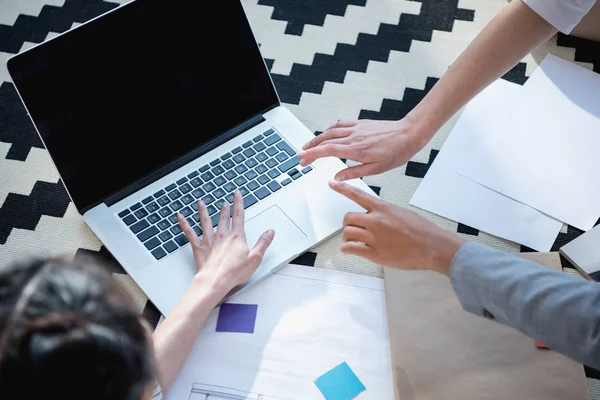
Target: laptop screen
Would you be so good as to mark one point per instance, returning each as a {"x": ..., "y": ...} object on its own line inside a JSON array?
[{"x": 130, "y": 92}]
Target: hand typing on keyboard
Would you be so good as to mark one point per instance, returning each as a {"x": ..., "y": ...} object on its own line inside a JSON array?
[{"x": 222, "y": 257}]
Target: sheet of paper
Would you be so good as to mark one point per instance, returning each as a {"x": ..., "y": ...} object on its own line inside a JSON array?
[
  {"x": 544, "y": 153},
  {"x": 238, "y": 318},
  {"x": 444, "y": 192},
  {"x": 340, "y": 383},
  {"x": 309, "y": 320}
]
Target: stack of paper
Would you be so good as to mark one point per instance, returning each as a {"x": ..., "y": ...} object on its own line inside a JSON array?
[{"x": 522, "y": 160}]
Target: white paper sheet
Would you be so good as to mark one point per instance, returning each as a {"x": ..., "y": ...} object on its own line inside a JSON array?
[
  {"x": 444, "y": 192},
  {"x": 545, "y": 152},
  {"x": 309, "y": 321}
]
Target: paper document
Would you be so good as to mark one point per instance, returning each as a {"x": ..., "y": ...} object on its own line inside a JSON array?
[
  {"x": 545, "y": 151},
  {"x": 444, "y": 192},
  {"x": 308, "y": 321}
]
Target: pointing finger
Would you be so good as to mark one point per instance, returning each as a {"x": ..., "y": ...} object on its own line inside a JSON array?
[{"x": 364, "y": 200}]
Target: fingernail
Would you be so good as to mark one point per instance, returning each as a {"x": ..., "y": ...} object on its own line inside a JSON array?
[
  {"x": 237, "y": 192},
  {"x": 179, "y": 215},
  {"x": 333, "y": 183},
  {"x": 304, "y": 147},
  {"x": 271, "y": 232},
  {"x": 302, "y": 153},
  {"x": 338, "y": 179}
]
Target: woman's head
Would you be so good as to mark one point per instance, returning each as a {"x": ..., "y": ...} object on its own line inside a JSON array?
[{"x": 70, "y": 332}]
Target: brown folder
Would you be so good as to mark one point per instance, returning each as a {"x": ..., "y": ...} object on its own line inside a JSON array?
[{"x": 440, "y": 351}]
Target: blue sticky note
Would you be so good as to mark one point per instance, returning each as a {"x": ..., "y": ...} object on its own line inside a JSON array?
[
  {"x": 239, "y": 318},
  {"x": 340, "y": 383}
]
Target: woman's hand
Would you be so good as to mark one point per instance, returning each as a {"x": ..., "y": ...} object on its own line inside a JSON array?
[
  {"x": 222, "y": 257},
  {"x": 394, "y": 236},
  {"x": 378, "y": 145}
]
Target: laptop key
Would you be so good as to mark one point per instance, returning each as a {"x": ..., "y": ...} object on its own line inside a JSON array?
[
  {"x": 230, "y": 174},
  {"x": 196, "y": 182},
  {"x": 215, "y": 162},
  {"x": 218, "y": 170},
  {"x": 165, "y": 212},
  {"x": 273, "y": 173},
  {"x": 307, "y": 170},
  {"x": 193, "y": 174},
  {"x": 186, "y": 211},
  {"x": 191, "y": 221},
  {"x": 272, "y": 139},
  {"x": 211, "y": 210},
  {"x": 204, "y": 168},
  {"x": 225, "y": 156},
  {"x": 165, "y": 236},
  {"x": 250, "y": 175},
  {"x": 253, "y": 185},
  {"x": 281, "y": 157},
  {"x": 148, "y": 233},
  {"x": 198, "y": 193},
  {"x": 185, "y": 188},
  {"x": 159, "y": 253},
  {"x": 249, "y": 152},
  {"x": 209, "y": 187},
  {"x": 240, "y": 180},
  {"x": 181, "y": 240},
  {"x": 173, "y": 218},
  {"x": 229, "y": 198},
  {"x": 175, "y": 230},
  {"x": 236, "y": 150},
  {"x": 229, "y": 187},
  {"x": 272, "y": 151},
  {"x": 258, "y": 138},
  {"x": 176, "y": 205},
  {"x": 147, "y": 200},
  {"x": 182, "y": 180},
  {"x": 124, "y": 213},
  {"x": 292, "y": 171},
  {"x": 259, "y": 147},
  {"x": 170, "y": 187},
  {"x": 194, "y": 206},
  {"x": 220, "y": 181},
  {"x": 247, "y": 144},
  {"x": 219, "y": 193},
  {"x": 296, "y": 176},
  {"x": 274, "y": 186},
  {"x": 251, "y": 163},
  {"x": 261, "y": 169},
  {"x": 208, "y": 199},
  {"x": 286, "y": 147},
  {"x": 152, "y": 207},
  {"x": 129, "y": 219},
  {"x": 286, "y": 181},
  {"x": 136, "y": 206},
  {"x": 198, "y": 231},
  {"x": 175, "y": 194},
  {"x": 153, "y": 218},
  {"x": 207, "y": 176},
  {"x": 228, "y": 164},
  {"x": 164, "y": 224},
  {"x": 141, "y": 213},
  {"x": 170, "y": 246},
  {"x": 271, "y": 163},
  {"x": 163, "y": 201},
  {"x": 269, "y": 132},
  {"x": 196, "y": 217},
  {"x": 263, "y": 179},
  {"x": 239, "y": 158},
  {"x": 261, "y": 156},
  {"x": 289, "y": 164},
  {"x": 219, "y": 203},
  {"x": 152, "y": 243},
  {"x": 187, "y": 199},
  {"x": 240, "y": 169},
  {"x": 244, "y": 191},
  {"x": 262, "y": 193},
  {"x": 139, "y": 226},
  {"x": 159, "y": 193}
]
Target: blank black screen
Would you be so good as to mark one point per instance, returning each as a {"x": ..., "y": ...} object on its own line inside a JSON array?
[{"x": 126, "y": 94}]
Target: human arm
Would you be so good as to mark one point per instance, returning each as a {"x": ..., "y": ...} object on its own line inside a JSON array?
[
  {"x": 382, "y": 145},
  {"x": 560, "y": 310},
  {"x": 223, "y": 261}
]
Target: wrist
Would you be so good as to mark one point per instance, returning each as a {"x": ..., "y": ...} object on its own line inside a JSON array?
[
  {"x": 445, "y": 245},
  {"x": 208, "y": 288}
]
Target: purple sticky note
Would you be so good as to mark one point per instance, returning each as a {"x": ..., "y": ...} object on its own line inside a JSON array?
[{"x": 237, "y": 318}]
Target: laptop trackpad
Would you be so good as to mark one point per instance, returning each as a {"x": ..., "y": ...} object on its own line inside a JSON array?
[{"x": 288, "y": 241}]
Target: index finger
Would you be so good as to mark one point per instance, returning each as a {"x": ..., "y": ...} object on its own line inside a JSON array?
[
  {"x": 363, "y": 199},
  {"x": 237, "y": 221},
  {"x": 326, "y": 150}
]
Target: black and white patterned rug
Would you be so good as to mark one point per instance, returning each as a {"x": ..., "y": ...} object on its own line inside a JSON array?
[{"x": 329, "y": 60}]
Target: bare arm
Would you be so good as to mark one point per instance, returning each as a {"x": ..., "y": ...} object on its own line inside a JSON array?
[
  {"x": 223, "y": 261},
  {"x": 383, "y": 145}
]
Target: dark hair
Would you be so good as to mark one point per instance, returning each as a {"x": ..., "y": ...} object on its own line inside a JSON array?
[{"x": 70, "y": 332}]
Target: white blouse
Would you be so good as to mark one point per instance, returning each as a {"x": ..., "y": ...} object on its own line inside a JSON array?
[{"x": 564, "y": 15}]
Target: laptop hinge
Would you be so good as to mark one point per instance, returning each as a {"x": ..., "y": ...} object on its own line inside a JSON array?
[{"x": 181, "y": 161}]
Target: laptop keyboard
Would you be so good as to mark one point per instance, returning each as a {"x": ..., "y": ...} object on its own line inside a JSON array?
[{"x": 258, "y": 168}]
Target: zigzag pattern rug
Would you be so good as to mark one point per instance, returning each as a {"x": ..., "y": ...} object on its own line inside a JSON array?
[{"x": 329, "y": 60}]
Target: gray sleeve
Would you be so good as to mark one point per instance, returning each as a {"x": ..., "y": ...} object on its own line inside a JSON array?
[{"x": 560, "y": 310}]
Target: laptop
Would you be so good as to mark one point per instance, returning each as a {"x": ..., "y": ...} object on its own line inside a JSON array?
[{"x": 155, "y": 105}]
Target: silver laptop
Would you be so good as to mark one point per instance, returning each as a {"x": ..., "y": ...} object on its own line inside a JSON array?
[{"x": 155, "y": 105}]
